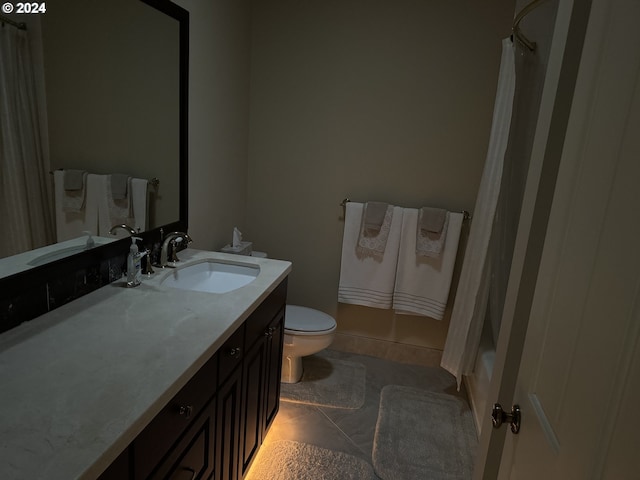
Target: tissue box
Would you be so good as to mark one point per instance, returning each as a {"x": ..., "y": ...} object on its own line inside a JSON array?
[{"x": 244, "y": 248}]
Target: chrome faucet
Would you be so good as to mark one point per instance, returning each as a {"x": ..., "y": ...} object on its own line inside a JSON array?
[
  {"x": 124, "y": 227},
  {"x": 171, "y": 240}
]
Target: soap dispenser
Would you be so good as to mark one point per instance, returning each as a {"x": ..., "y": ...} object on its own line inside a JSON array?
[
  {"x": 90, "y": 242},
  {"x": 134, "y": 264}
]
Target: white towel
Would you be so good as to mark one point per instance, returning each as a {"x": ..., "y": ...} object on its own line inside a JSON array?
[
  {"x": 139, "y": 203},
  {"x": 423, "y": 283},
  {"x": 368, "y": 281},
  {"x": 71, "y": 224}
]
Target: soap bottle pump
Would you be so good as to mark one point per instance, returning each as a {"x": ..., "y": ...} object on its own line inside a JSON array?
[{"x": 134, "y": 264}]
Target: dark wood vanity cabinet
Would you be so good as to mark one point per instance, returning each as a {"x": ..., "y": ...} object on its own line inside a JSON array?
[{"x": 213, "y": 428}]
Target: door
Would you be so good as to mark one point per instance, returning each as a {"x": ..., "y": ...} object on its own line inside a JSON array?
[{"x": 578, "y": 381}]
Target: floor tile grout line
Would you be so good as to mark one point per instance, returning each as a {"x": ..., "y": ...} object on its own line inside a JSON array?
[{"x": 368, "y": 455}]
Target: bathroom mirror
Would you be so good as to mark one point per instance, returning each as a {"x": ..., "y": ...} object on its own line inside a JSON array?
[{"x": 114, "y": 75}]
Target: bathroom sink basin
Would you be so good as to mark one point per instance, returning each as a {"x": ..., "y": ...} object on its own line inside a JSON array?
[
  {"x": 65, "y": 249},
  {"x": 212, "y": 276}
]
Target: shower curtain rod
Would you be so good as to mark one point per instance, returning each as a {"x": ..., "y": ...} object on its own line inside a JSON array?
[
  {"x": 515, "y": 30},
  {"x": 18, "y": 25}
]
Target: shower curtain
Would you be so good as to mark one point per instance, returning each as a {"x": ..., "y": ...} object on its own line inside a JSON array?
[
  {"x": 470, "y": 304},
  {"x": 25, "y": 213}
]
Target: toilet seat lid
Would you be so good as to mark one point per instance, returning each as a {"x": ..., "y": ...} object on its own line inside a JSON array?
[{"x": 303, "y": 319}]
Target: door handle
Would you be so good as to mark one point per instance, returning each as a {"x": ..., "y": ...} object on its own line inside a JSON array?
[{"x": 499, "y": 416}]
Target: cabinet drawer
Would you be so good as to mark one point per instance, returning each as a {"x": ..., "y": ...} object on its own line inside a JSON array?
[
  {"x": 259, "y": 320},
  {"x": 231, "y": 353},
  {"x": 193, "y": 457},
  {"x": 167, "y": 427}
]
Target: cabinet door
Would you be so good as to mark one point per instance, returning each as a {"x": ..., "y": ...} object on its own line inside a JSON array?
[
  {"x": 228, "y": 427},
  {"x": 253, "y": 391},
  {"x": 273, "y": 371}
]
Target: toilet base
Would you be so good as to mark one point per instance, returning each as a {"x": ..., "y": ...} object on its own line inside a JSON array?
[{"x": 291, "y": 369}]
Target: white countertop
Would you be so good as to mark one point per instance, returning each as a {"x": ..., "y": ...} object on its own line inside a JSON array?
[{"x": 79, "y": 383}]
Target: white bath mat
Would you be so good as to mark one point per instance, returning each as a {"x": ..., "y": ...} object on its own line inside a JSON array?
[
  {"x": 287, "y": 460},
  {"x": 327, "y": 382},
  {"x": 422, "y": 434}
]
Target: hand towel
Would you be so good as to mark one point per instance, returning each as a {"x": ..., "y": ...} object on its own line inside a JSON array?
[
  {"x": 368, "y": 281},
  {"x": 423, "y": 283},
  {"x": 429, "y": 243},
  {"x": 74, "y": 189},
  {"x": 119, "y": 186},
  {"x": 373, "y": 218},
  {"x": 118, "y": 200},
  {"x": 71, "y": 224},
  {"x": 432, "y": 219},
  {"x": 374, "y": 229},
  {"x": 74, "y": 179}
]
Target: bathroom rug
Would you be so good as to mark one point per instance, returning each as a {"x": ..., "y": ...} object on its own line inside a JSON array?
[
  {"x": 422, "y": 434},
  {"x": 288, "y": 460},
  {"x": 327, "y": 382}
]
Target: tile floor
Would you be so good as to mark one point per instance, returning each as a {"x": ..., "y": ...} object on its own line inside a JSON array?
[{"x": 352, "y": 431}]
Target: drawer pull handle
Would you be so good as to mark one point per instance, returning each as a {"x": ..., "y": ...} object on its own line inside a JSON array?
[
  {"x": 186, "y": 410},
  {"x": 269, "y": 332},
  {"x": 234, "y": 352}
]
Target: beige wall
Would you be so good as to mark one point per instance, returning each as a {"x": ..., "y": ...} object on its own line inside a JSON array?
[
  {"x": 218, "y": 119},
  {"x": 375, "y": 100}
]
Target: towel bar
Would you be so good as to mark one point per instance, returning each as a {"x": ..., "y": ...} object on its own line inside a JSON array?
[{"x": 154, "y": 182}]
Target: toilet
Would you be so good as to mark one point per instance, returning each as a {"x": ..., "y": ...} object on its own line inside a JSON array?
[{"x": 306, "y": 331}]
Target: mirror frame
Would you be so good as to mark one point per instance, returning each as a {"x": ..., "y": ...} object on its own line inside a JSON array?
[
  {"x": 182, "y": 16},
  {"x": 22, "y": 294}
]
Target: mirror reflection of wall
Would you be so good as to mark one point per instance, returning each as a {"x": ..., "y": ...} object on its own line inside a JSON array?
[{"x": 110, "y": 72}]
